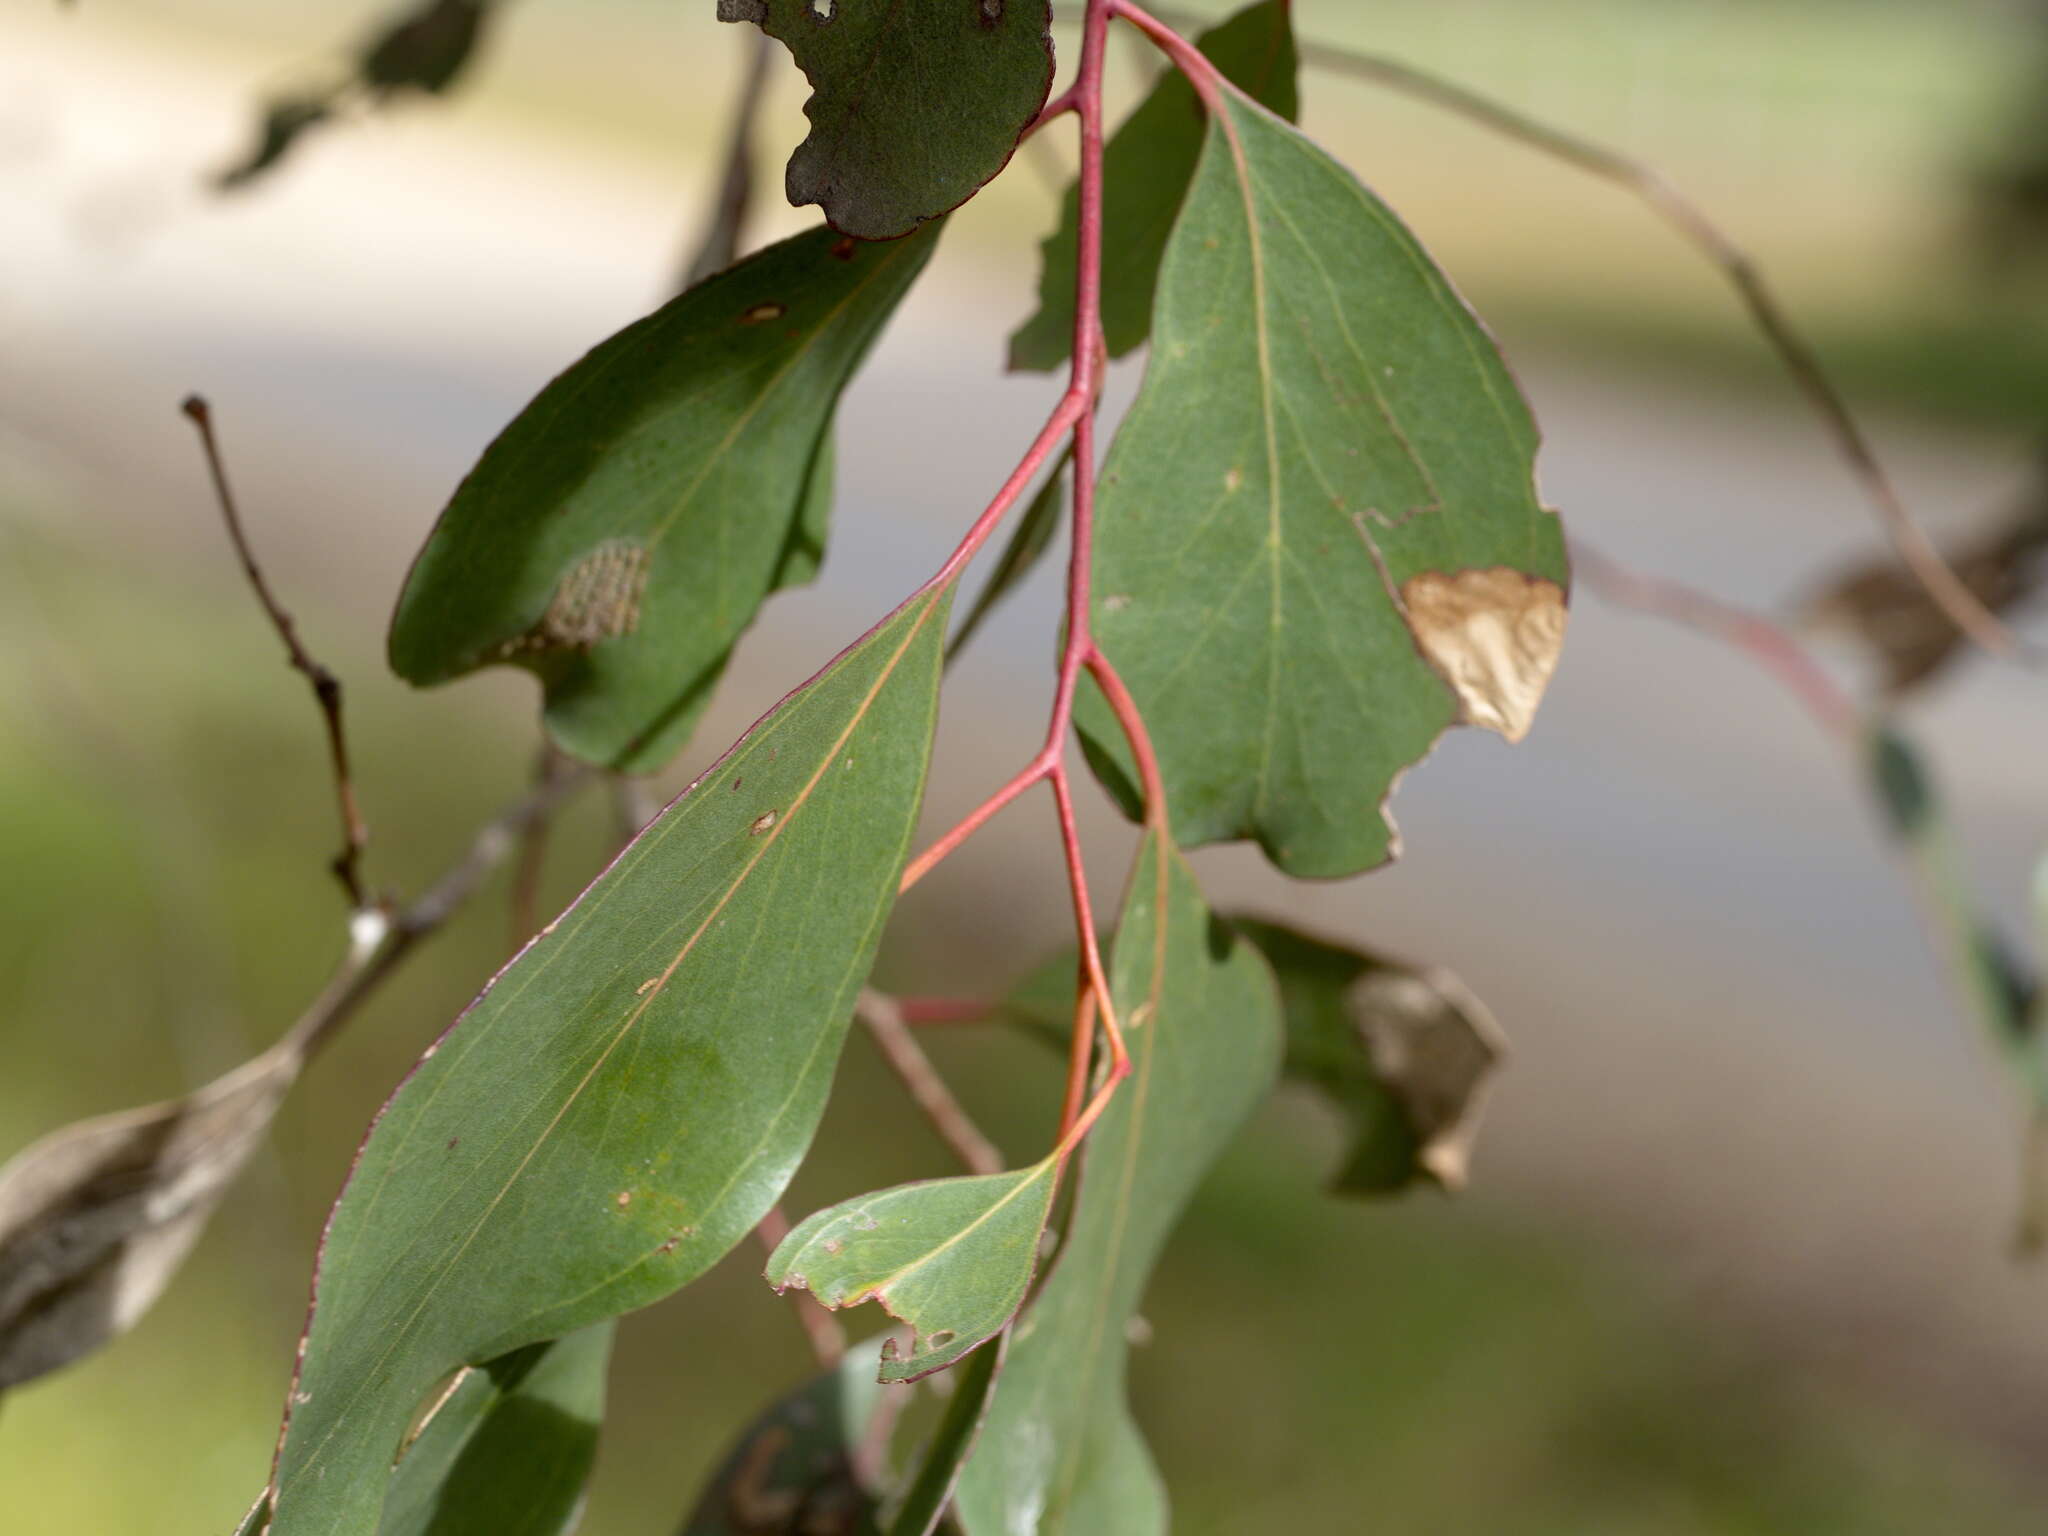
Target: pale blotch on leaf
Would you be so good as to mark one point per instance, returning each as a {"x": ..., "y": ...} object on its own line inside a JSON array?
[
  {"x": 1436, "y": 1048},
  {"x": 597, "y": 599},
  {"x": 1494, "y": 635}
]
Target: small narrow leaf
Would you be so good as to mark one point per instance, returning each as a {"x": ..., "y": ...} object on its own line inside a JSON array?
[
  {"x": 950, "y": 1257},
  {"x": 96, "y": 1218},
  {"x": 917, "y": 104},
  {"x": 1319, "y": 541},
  {"x": 1145, "y": 173},
  {"x": 796, "y": 1470},
  {"x": 1404, "y": 1052},
  {"x": 923, "y": 1511},
  {"x": 1028, "y": 544},
  {"x": 619, "y": 536},
  {"x": 1060, "y": 1455},
  {"x": 630, "y": 1096},
  {"x": 509, "y": 1452}
]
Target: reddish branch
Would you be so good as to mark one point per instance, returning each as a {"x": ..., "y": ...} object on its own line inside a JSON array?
[{"x": 347, "y": 864}]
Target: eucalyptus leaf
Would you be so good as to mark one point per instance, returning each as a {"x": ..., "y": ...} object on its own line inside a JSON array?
[
  {"x": 1319, "y": 540},
  {"x": 631, "y": 1094},
  {"x": 509, "y": 1451},
  {"x": 916, "y": 104},
  {"x": 1145, "y": 172},
  {"x": 950, "y": 1257},
  {"x": 796, "y": 1471},
  {"x": 619, "y": 536},
  {"x": 1060, "y": 1455},
  {"x": 923, "y": 1510},
  {"x": 1404, "y": 1052}
]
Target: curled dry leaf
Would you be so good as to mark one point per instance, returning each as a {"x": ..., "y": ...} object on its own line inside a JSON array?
[
  {"x": 1405, "y": 1052},
  {"x": 1494, "y": 635},
  {"x": 95, "y": 1218}
]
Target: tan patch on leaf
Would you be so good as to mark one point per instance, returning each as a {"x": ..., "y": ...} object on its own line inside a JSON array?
[
  {"x": 1494, "y": 635},
  {"x": 598, "y": 598},
  {"x": 1436, "y": 1048}
]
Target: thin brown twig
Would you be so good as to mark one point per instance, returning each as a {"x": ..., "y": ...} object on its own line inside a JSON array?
[
  {"x": 1915, "y": 549},
  {"x": 719, "y": 246},
  {"x": 379, "y": 944},
  {"x": 828, "y": 1339},
  {"x": 533, "y": 848},
  {"x": 928, "y": 1090},
  {"x": 347, "y": 864}
]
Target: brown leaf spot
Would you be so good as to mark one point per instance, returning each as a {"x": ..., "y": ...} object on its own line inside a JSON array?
[
  {"x": 762, "y": 313},
  {"x": 844, "y": 247},
  {"x": 761, "y": 823},
  {"x": 1494, "y": 635},
  {"x": 624, "y": 1198},
  {"x": 1233, "y": 479}
]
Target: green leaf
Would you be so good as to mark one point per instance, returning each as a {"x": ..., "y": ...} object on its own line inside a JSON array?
[
  {"x": 1060, "y": 1455},
  {"x": 633, "y": 1092},
  {"x": 950, "y": 1257},
  {"x": 1319, "y": 540},
  {"x": 924, "y": 1507},
  {"x": 619, "y": 536},
  {"x": 917, "y": 104},
  {"x": 426, "y": 49},
  {"x": 1145, "y": 173},
  {"x": 1402, "y": 1051},
  {"x": 1028, "y": 544},
  {"x": 510, "y": 1451},
  {"x": 794, "y": 1470}
]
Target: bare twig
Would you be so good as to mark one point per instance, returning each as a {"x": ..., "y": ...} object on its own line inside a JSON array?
[
  {"x": 347, "y": 864},
  {"x": 719, "y": 246},
  {"x": 533, "y": 848},
  {"x": 1918, "y": 552},
  {"x": 828, "y": 1339},
  {"x": 891, "y": 1033}
]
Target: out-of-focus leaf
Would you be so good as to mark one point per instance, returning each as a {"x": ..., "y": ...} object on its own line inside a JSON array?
[
  {"x": 619, "y": 536},
  {"x": 96, "y": 1218},
  {"x": 916, "y": 104},
  {"x": 1060, "y": 1455},
  {"x": 631, "y": 1094},
  {"x": 1404, "y": 1052},
  {"x": 509, "y": 1452},
  {"x": 426, "y": 49},
  {"x": 1028, "y": 544},
  {"x": 277, "y": 130},
  {"x": 1319, "y": 540},
  {"x": 923, "y": 1511},
  {"x": 796, "y": 1470},
  {"x": 1889, "y": 613},
  {"x": 1145, "y": 172},
  {"x": 950, "y": 1257}
]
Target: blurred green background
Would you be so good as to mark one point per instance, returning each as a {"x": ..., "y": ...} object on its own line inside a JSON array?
[{"x": 1734, "y": 1263}]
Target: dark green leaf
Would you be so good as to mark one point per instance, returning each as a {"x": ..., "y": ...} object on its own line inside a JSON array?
[
  {"x": 621, "y": 533},
  {"x": 1060, "y": 1455},
  {"x": 279, "y": 128},
  {"x": 1319, "y": 541},
  {"x": 426, "y": 49},
  {"x": 510, "y": 1451},
  {"x": 1145, "y": 173},
  {"x": 633, "y": 1092},
  {"x": 917, "y": 104},
  {"x": 939, "y": 1467},
  {"x": 796, "y": 1472},
  {"x": 1028, "y": 544},
  {"x": 950, "y": 1257},
  {"x": 1402, "y": 1051}
]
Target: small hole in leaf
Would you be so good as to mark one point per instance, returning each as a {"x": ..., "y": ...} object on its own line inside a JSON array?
[
  {"x": 761, "y": 313},
  {"x": 941, "y": 1339},
  {"x": 824, "y": 10}
]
